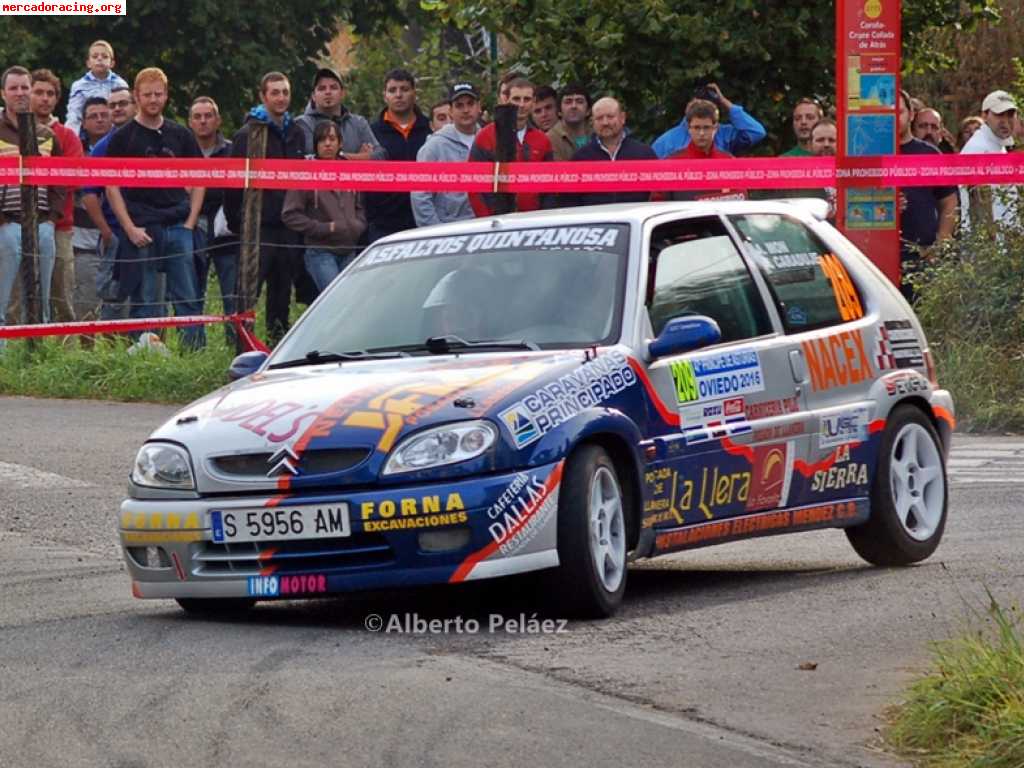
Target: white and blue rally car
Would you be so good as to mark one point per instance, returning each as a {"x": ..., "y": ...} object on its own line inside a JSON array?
[{"x": 563, "y": 392}]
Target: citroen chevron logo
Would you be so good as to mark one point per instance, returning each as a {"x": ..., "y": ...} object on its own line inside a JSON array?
[{"x": 285, "y": 460}]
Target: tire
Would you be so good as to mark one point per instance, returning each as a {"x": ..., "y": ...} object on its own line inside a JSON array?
[
  {"x": 909, "y": 495},
  {"x": 591, "y": 578},
  {"x": 216, "y": 607}
]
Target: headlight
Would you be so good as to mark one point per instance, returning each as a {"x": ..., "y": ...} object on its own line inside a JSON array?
[
  {"x": 437, "y": 447},
  {"x": 163, "y": 465}
]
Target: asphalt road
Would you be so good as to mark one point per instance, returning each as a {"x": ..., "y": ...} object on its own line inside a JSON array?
[{"x": 701, "y": 668}]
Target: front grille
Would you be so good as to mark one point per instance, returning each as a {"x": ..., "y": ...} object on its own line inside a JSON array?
[
  {"x": 359, "y": 550},
  {"x": 313, "y": 462}
]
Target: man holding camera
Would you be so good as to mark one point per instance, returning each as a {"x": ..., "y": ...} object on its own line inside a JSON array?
[{"x": 738, "y": 131}]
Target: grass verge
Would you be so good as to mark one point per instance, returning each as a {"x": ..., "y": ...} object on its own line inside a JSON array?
[
  {"x": 969, "y": 712},
  {"x": 987, "y": 382}
]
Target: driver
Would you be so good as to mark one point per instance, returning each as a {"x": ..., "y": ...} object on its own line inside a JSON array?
[{"x": 455, "y": 305}]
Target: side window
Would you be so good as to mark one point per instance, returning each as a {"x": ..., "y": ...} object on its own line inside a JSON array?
[
  {"x": 810, "y": 285},
  {"x": 696, "y": 270}
]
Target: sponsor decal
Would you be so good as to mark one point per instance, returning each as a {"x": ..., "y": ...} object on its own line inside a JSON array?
[
  {"x": 563, "y": 238},
  {"x": 841, "y": 475},
  {"x": 522, "y": 510},
  {"x": 555, "y": 403},
  {"x": 409, "y": 513},
  {"x": 837, "y": 360},
  {"x": 282, "y": 586},
  {"x": 897, "y": 346},
  {"x": 843, "y": 428},
  {"x": 155, "y": 527},
  {"x": 847, "y": 299},
  {"x": 768, "y": 408},
  {"x": 823, "y": 515},
  {"x": 796, "y": 315},
  {"x": 772, "y": 468},
  {"x": 905, "y": 383},
  {"x": 779, "y": 432},
  {"x": 713, "y": 421},
  {"x": 723, "y": 375}
]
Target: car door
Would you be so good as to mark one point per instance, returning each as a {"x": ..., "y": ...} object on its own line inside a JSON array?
[
  {"x": 824, "y": 318},
  {"x": 740, "y": 405}
]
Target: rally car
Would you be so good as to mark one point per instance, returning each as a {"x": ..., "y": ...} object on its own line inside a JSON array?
[{"x": 563, "y": 392}]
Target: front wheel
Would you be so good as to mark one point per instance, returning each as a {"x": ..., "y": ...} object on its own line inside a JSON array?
[
  {"x": 909, "y": 496},
  {"x": 591, "y": 578}
]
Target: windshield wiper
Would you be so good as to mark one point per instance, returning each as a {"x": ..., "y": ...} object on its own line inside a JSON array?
[
  {"x": 316, "y": 357},
  {"x": 440, "y": 345}
]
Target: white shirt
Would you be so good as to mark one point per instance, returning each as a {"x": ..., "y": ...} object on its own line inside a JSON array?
[{"x": 985, "y": 142}]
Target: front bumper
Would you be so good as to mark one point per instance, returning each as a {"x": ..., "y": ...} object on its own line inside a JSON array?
[{"x": 499, "y": 525}]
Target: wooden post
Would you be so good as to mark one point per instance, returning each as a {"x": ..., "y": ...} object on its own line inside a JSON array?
[
  {"x": 252, "y": 210},
  {"x": 28, "y": 146},
  {"x": 505, "y": 118}
]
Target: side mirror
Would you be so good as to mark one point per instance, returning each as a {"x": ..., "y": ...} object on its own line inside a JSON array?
[
  {"x": 245, "y": 364},
  {"x": 681, "y": 334}
]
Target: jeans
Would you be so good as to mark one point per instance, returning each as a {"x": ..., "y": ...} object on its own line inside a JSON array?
[
  {"x": 324, "y": 266},
  {"x": 224, "y": 254},
  {"x": 170, "y": 253},
  {"x": 10, "y": 261},
  {"x": 114, "y": 306}
]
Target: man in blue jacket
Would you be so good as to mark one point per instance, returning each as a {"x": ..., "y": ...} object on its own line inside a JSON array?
[{"x": 737, "y": 132}]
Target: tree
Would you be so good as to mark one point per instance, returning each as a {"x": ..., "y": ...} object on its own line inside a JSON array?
[
  {"x": 652, "y": 54},
  {"x": 218, "y": 48}
]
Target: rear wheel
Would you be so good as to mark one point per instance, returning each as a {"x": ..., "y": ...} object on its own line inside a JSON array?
[
  {"x": 216, "y": 607},
  {"x": 909, "y": 496},
  {"x": 591, "y": 578}
]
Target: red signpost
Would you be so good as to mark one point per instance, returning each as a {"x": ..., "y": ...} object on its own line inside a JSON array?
[{"x": 868, "y": 48}]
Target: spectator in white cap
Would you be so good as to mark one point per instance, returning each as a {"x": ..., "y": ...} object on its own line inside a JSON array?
[{"x": 983, "y": 205}]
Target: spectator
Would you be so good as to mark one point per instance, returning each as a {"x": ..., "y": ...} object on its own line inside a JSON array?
[
  {"x": 532, "y": 145},
  {"x": 327, "y": 103},
  {"x": 99, "y": 80},
  {"x": 440, "y": 116},
  {"x": 16, "y": 88},
  {"x": 968, "y": 127},
  {"x": 824, "y": 144},
  {"x": 401, "y": 130},
  {"x": 332, "y": 220},
  {"x": 42, "y": 100},
  {"x": 928, "y": 214},
  {"x": 279, "y": 246},
  {"x": 96, "y": 122},
  {"x": 982, "y": 205},
  {"x": 96, "y": 278},
  {"x": 570, "y": 133},
  {"x": 85, "y": 234},
  {"x": 928, "y": 127},
  {"x": 157, "y": 221},
  {"x": 204, "y": 121},
  {"x": 741, "y": 133},
  {"x": 702, "y": 117},
  {"x": 806, "y": 115},
  {"x": 611, "y": 143},
  {"x": 504, "y": 83},
  {"x": 451, "y": 144},
  {"x": 545, "y": 108}
]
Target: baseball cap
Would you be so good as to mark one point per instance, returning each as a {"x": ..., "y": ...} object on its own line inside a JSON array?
[
  {"x": 998, "y": 102},
  {"x": 327, "y": 72},
  {"x": 463, "y": 89}
]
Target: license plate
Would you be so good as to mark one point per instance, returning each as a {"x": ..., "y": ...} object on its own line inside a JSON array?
[{"x": 313, "y": 521}]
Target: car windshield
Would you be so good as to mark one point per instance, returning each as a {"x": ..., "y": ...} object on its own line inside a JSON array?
[{"x": 547, "y": 287}]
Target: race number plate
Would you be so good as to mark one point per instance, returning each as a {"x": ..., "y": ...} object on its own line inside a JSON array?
[{"x": 312, "y": 521}]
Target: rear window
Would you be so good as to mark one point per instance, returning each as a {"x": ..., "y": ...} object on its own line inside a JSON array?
[{"x": 810, "y": 285}]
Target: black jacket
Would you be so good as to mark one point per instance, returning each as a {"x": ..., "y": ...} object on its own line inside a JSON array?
[
  {"x": 392, "y": 211},
  {"x": 631, "y": 149},
  {"x": 285, "y": 145}
]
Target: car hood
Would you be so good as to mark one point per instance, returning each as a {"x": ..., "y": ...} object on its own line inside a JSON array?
[{"x": 335, "y": 423}]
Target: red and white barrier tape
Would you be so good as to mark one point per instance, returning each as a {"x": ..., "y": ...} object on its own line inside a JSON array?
[
  {"x": 622, "y": 175},
  {"x": 90, "y": 328}
]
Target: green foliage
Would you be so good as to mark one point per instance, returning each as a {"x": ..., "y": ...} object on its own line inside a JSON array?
[
  {"x": 971, "y": 303},
  {"x": 970, "y": 710},
  {"x": 218, "y": 48},
  {"x": 652, "y": 53}
]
